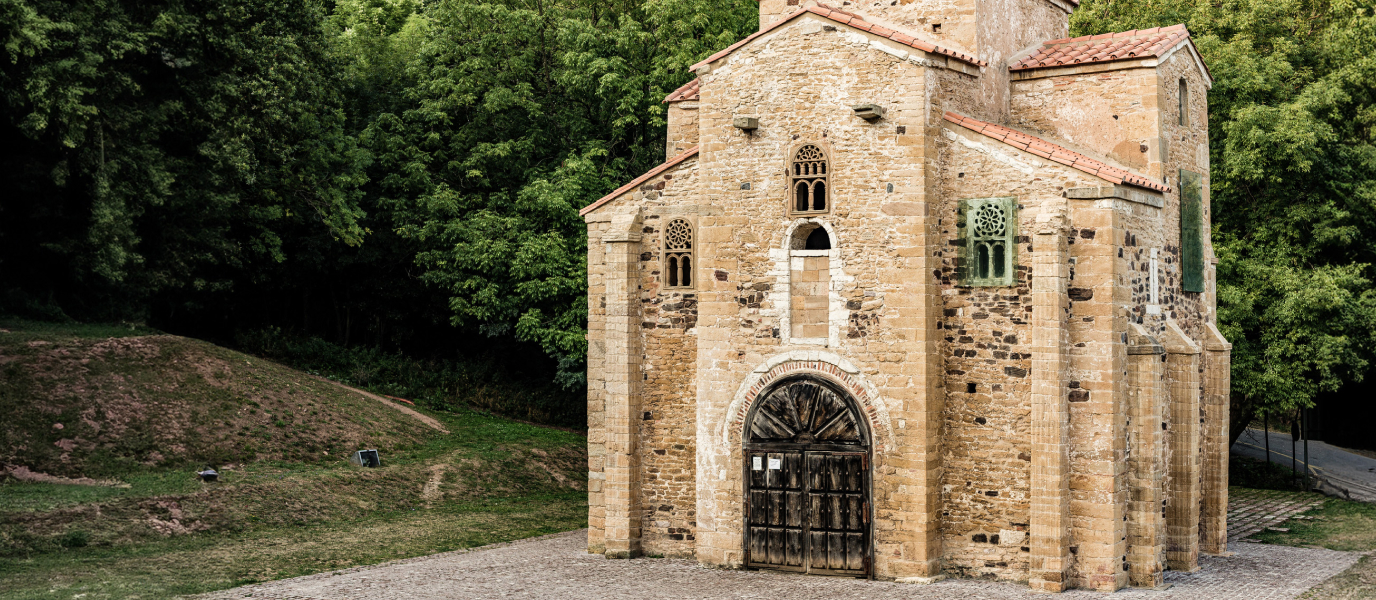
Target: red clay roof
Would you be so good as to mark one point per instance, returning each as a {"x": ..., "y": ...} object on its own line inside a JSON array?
[
  {"x": 851, "y": 20},
  {"x": 689, "y": 91},
  {"x": 1106, "y": 47},
  {"x": 682, "y": 156},
  {"x": 1051, "y": 151}
]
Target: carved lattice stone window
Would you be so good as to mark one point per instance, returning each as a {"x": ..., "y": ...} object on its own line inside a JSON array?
[
  {"x": 988, "y": 231},
  {"x": 1191, "y": 231},
  {"x": 808, "y": 182},
  {"x": 678, "y": 254}
]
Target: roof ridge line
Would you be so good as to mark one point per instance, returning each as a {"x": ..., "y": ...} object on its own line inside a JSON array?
[
  {"x": 852, "y": 20},
  {"x": 1056, "y": 153}
]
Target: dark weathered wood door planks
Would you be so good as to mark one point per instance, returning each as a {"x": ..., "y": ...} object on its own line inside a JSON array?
[{"x": 807, "y": 504}]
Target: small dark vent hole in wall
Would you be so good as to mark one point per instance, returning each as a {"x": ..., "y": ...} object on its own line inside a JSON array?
[
  {"x": 969, "y": 388},
  {"x": 818, "y": 240},
  {"x": 936, "y": 28}
]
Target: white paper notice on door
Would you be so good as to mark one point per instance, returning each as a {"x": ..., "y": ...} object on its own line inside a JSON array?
[
  {"x": 775, "y": 463},
  {"x": 755, "y": 464}
]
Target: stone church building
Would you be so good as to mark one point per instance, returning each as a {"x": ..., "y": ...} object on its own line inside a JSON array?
[{"x": 923, "y": 289}]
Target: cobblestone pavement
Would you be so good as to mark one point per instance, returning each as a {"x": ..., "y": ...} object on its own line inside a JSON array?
[
  {"x": 559, "y": 567},
  {"x": 1250, "y": 511}
]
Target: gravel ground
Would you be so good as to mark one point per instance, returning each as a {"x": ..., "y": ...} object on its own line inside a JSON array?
[{"x": 558, "y": 566}]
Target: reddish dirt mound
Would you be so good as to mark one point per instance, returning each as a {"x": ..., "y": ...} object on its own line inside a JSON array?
[{"x": 91, "y": 407}]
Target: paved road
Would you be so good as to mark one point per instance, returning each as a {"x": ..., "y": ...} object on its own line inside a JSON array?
[
  {"x": 558, "y": 567},
  {"x": 1338, "y": 471}
]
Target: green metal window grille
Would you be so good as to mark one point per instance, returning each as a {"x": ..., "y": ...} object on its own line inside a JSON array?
[
  {"x": 1191, "y": 231},
  {"x": 987, "y": 229}
]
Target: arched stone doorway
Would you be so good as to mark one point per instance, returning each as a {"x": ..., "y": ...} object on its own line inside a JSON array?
[{"x": 807, "y": 480}]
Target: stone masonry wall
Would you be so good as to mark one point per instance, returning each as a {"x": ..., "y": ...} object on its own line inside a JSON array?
[
  {"x": 682, "y": 130},
  {"x": 665, "y": 424},
  {"x": 987, "y": 345},
  {"x": 810, "y": 284},
  {"x": 1110, "y": 113},
  {"x": 878, "y": 276},
  {"x": 668, "y": 447}
]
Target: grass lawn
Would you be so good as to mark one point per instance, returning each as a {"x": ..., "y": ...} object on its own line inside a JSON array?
[
  {"x": 156, "y": 531},
  {"x": 490, "y": 480},
  {"x": 1336, "y": 525},
  {"x": 207, "y": 562}
]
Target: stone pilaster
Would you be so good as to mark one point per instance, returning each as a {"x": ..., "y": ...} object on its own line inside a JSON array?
[
  {"x": 1050, "y": 481},
  {"x": 1218, "y": 358},
  {"x": 1182, "y": 501},
  {"x": 1146, "y": 460},
  {"x": 621, "y": 372},
  {"x": 597, "y": 385},
  {"x": 1098, "y": 402}
]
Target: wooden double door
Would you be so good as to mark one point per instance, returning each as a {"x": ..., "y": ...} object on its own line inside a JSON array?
[
  {"x": 807, "y": 476},
  {"x": 811, "y": 513}
]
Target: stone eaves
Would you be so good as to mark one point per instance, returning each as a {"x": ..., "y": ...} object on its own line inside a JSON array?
[
  {"x": 1137, "y": 44},
  {"x": 671, "y": 163},
  {"x": 689, "y": 91},
  {"x": 850, "y": 20},
  {"x": 1053, "y": 152}
]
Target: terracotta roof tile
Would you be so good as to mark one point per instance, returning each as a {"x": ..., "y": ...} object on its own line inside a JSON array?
[
  {"x": 671, "y": 163},
  {"x": 1106, "y": 47},
  {"x": 1055, "y": 153},
  {"x": 688, "y": 91},
  {"x": 851, "y": 20}
]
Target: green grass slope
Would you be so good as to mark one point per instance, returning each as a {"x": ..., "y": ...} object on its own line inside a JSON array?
[
  {"x": 102, "y": 406},
  {"x": 288, "y": 502}
]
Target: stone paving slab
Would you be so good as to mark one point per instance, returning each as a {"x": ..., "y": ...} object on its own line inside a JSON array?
[
  {"x": 559, "y": 567},
  {"x": 1250, "y": 511}
]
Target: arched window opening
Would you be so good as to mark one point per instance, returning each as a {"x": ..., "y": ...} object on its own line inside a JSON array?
[
  {"x": 818, "y": 240},
  {"x": 809, "y": 181},
  {"x": 678, "y": 254}
]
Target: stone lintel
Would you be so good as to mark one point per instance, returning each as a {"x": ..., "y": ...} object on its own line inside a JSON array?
[{"x": 1121, "y": 192}]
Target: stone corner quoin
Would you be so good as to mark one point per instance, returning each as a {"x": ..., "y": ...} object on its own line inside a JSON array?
[{"x": 917, "y": 293}]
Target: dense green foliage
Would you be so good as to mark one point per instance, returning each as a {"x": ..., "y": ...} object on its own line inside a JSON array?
[
  {"x": 401, "y": 177},
  {"x": 398, "y": 175},
  {"x": 1293, "y": 184}
]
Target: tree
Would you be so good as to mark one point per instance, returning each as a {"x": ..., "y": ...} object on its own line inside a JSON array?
[
  {"x": 160, "y": 148},
  {"x": 522, "y": 112},
  {"x": 1293, "y": 185}
]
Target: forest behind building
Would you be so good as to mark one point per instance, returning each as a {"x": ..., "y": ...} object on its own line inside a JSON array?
[{"x": 386, "y": 191}]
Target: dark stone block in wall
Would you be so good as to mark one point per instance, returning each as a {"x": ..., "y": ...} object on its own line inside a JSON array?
[{"x": 1081, "y": 294}]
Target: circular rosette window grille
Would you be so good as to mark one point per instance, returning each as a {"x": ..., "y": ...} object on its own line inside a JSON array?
[
  {"x": 991, "y": 221},
  {"x": 678, "y": 236}
]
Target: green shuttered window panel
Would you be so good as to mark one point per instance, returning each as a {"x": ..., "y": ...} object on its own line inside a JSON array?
[
  {"x": 987, "y": 229},
  {"x": 1191, "y": 231}
]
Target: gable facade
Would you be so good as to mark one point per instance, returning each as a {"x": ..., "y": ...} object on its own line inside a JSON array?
[{"x": 874, "y": 317}]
